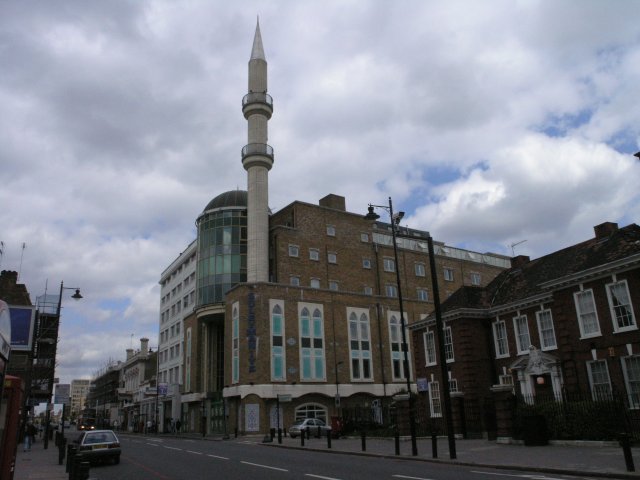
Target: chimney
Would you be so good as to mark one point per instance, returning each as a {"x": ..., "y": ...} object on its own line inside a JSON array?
[
  {"x": 519, "y": 261},
  {"x": 144, "y": 346},
  {"x": 129, "y": 353},
  {"x": 333, "y": 201},
  {"x": 605, "y": 230}
]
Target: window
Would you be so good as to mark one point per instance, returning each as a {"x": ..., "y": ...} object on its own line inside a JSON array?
[
  {"x": 448, "y": 345},
  {"x": 448, "y": 274},
  {"x": 185, "y": 301},
  {"x": 368, "y": 290},
  {"x": 311, "y": 345},
  {"x": 506, "y": 380},
  {"x": 423, "y": 295},
  {"x": 631, "y": 370},
  {"x": 360, "y": 346},
  {"x": 314, "y": 254},
  {"x": 177, "y": 350},
  {"x": 389, "y": 264},
  {"x": 599, "y": 379},
  {"x": 391, "y": 290},
  {"x": 475, "y": 279},
  {"x": 545, "y": 328},
  {"x": 397, "y": 355},
  {"x": 500, "y": 339},
  {"x": 333, "y": 285},
  {"x": 294, "y": 251},
  {"x": 277, "y": 344},
  {"x": 521, "y": 329},
  {"x": 294, "y": 280},
  {"x": 332, "y": 257},
  {"x": 315, "y": 283},
  {"x": 331, "y": 230},
  {"x": 620, "y": 305},
  {"x": 420, "y": 270},
  {"x": 430, "y": 348},
  {"x": 177, "y": 328},
  {"x": 366, "y": 263},
  {"x": 434, "y": 399},
  {"x": 364, "y": 237},
  {"x": 587, "y": 316},
  {"x": 235, "y": 345},
  {"x": 311, "y": 410}
]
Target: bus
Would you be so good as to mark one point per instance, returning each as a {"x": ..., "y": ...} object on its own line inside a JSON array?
[{"x": 86, "y": 423}]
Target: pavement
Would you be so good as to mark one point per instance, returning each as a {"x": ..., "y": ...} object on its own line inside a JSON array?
[{"x": 591, "y": 459}]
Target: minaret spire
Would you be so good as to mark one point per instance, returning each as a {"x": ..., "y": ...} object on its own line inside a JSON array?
[{"x": 257, "y": 159}]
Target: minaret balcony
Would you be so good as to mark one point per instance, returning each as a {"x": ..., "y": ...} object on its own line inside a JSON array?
[
  {"x": 256, "y": 154},
  {"x": 257, "y": 103}
]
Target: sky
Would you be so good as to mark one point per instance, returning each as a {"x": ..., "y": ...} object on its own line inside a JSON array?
[{"x": 502, "y": 126}]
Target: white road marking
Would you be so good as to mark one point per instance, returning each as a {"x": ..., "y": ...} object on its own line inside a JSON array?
[
  {"x": 265, "y": 466},
  {"x": 532, "y": 477},
  {"x": 171, "y": 448},
  {"x": 320, "y": 476},
  {"x": 216, "y": 456},
  {"x": 191, "y": 451},
  {"x": 153, "y": 444},
  {"x": 413, "y": 478}
]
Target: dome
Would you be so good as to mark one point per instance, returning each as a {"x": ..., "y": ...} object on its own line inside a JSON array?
[{"x": 234, "y": 198}]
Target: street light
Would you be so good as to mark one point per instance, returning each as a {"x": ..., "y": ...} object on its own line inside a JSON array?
[
  {"x": 75, "y": 296},
  {"x": 395, "y": 220}
]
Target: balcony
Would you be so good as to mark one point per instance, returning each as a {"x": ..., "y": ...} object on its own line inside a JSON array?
[
  {"x": 257, "y": 103},
  {"x": 257, "y": 154},
  {"x": 257, "y": 97}
]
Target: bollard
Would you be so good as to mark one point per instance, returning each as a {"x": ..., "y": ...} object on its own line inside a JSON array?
[
  {"x": 363, "y": 439},
  {"x": 82, "y": 471},
  {"x": 279, "y": 435},
  {"x": 329, "y": 439},
  {"x": 72, "y": 450},
  {"x": 62, "y": 446},
  {"x": 302, "y": 434},
  {"x": 626, "y": 449},
  {"x": 434, "y": 445},
  {"x": 56, "y": 438},
  {"x": 397, "y": 439},
  {"x": 272, "y": 432}
]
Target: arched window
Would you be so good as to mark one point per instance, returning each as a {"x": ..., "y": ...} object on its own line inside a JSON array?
[
  {"x": 360, "y": 346},
  {"x": 277, "y": 344},
  {"x": 312, "y": 366},
  {"x": 235, "y": 345},
  {"x": 311, "y": 410}
]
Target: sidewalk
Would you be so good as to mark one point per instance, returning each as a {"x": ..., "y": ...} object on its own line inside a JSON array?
[{"x": 604, "y": 460}]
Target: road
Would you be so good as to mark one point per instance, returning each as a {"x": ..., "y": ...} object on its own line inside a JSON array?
[{"x": 163, "y": 458}]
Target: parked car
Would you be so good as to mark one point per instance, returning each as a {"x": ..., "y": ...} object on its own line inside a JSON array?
[
  {"x": 99, "y": 445},
  {"x": 315, "y": 426}
]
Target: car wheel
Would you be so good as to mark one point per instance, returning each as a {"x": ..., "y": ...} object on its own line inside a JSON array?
[
  {"x": 292, "y": 435},
  {"x": 116, "y": 460}
]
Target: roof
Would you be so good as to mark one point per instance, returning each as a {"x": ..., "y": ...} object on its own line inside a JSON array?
[{"x": 233, "y": 198}]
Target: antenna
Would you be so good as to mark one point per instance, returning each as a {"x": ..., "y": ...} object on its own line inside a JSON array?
[
  {"x": 513, "y": 245},
  {"x": 1, "y": 251},
  {"x": 24, "y": 245}
]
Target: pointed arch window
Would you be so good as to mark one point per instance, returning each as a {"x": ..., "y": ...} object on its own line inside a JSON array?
[
  {"x": 277, "y": 344},
  {"x": 360, "y": 346},
  {"x": 235, "y": 345},
  {"x": 397, "y": 356},
  {"x": 312, "y": 361}
]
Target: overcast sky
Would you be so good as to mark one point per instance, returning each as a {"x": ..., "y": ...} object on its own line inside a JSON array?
[{"x": 489, "y": 123}]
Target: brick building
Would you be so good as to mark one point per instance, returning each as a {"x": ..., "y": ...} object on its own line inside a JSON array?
[{"x": 563, "y": 323}]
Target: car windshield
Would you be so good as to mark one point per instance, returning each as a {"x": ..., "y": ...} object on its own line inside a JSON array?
[
  {"x": 298, "y": 422},
  {"x": 99, "y": 437}
]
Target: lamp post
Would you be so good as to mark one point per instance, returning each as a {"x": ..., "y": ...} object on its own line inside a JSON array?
[
  {"x": 75, "y": 296},
  {"x": 395, "y": 220}
]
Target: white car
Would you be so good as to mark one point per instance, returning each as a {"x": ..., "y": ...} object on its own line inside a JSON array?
[{"x": 315, "y": 426}]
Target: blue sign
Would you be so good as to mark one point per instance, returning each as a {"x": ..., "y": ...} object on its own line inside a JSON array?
[{"x": 22, "y": 322}]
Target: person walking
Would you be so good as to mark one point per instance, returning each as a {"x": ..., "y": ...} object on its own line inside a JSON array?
[{"x": 29, "y": 433}]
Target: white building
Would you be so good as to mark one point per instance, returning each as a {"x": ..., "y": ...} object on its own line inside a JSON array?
[
  {"x": 79, "y": 392},
  {"x": 177, "y": 299}
]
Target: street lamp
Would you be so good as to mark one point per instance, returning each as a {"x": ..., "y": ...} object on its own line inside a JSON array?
[
  {"x": 75, "y": 296},
  {"x": 395, "y": 220}
]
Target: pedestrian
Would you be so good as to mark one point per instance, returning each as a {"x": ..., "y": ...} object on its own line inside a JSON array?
[{"x": 29, "y": 433}]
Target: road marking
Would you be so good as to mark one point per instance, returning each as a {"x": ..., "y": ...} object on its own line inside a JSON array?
[
  {"x": 191, "y": 451},
  {"x": 320, "y": 476},
  {"x": 532, "y": 477},
  {"x": 172, "y": 448},
  {"x": 265, "y": 466},
  {"x": 153, "y": 444},
  {"x": 216, "y": 456},
  {"x": 413, "y": 478}
]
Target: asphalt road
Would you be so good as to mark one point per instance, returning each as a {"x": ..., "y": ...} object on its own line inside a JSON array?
[{"x": 158, "y": 458}]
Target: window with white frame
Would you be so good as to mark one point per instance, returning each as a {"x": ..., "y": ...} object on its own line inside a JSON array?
[
  {"x": 500, "y": 339},
  {"x": 294, "y": 250},
  {"x": 421, "y": 271},
  {"x": 315, "y": 283},
  {"x": 587, "y": 315},
  {"x": 333, "y": 285},
  {"x": 391, "y": 290},
  {"x": 453, "y": 385},
  {"x": 331, "y": 230},
  {"x": 187, "y": 362},
  {"x": 434, "y": 399},
  {"x": 314, "y": 254},
  {"x": 332, "y": 257},
  {"x": 368, "y": 290},
  {"x": 430, "y": 348},
  {"x": 389, "y": 264},
  {"x": 599, "y": 379},
  {"x": 311, "y": 345},
  {"x": 620, "y": 305},
  {"x": 366, "y": 263},
  {"x": 521, "y": 328},
  {"x": 364, "y": 237},
  {"x": 448, "y": 344},
  {"x": 397, "y": 355},
  {"x": 360, "y": 345},
  {"x": 475, "y": 278},
  {"x": 235, "y": 345},
  {"x": 448, "y": 274},
  {"x": 546, "y": 330},
  {"x": 277, "y": 344},
  {"x": 631, "y": 370},
  {"x": 311, "y": 410},
  {"x": 294, "y": 280},
  {"x": 422, "y": 294}
]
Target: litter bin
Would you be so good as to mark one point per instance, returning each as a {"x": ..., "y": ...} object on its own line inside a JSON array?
[{"x": 534, "y": 430}]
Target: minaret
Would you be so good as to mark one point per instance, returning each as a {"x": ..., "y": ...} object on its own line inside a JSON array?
[{"x": 257, "y": 159}]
